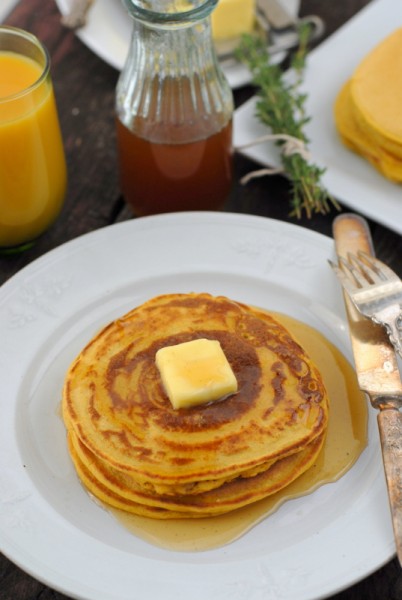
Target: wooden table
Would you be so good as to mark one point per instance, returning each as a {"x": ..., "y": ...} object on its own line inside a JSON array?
[{"x": 85, "y": 89}]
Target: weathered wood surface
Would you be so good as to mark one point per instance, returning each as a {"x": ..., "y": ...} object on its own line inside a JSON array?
[{"x": 84, "y": 88}]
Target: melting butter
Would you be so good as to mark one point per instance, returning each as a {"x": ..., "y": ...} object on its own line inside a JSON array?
[{"x": 195, "y": 372}]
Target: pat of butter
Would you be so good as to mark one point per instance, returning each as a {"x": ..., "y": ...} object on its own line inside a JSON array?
[
  {"x": 232, "y": 18},
  {"x": 195, "y": 372}
]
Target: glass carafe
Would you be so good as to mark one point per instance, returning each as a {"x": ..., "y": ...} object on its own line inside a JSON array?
[{"x": 173, "y": 111}]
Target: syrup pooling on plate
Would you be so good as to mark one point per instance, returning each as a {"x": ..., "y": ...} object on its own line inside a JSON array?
[{"x": 346, "y": 439}]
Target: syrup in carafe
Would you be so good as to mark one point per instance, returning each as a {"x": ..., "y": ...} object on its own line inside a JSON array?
[{"x": 174, "y": 111}]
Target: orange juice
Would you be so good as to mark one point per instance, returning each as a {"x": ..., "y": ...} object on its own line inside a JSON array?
[{"x": 32, "y": 163}]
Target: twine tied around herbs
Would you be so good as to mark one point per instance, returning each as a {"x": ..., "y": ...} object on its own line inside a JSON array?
[{"x": 291, "y": 145}]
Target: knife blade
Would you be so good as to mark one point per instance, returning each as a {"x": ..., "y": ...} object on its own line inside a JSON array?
[{"x": 377, "y": 370}]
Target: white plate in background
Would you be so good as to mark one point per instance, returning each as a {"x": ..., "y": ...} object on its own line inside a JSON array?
[
  {"x": 6, "y": 7},
  {"x": 350, "y": 178},
  {"x": 108, "y": 31}
]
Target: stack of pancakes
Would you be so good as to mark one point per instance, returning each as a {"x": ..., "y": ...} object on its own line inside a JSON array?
[
  {"x": 368, "y": 108},
  {"x": 134, "y": 451}
]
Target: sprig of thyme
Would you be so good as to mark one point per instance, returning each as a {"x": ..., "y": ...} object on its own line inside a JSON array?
[{"x": 281, "y": 106}]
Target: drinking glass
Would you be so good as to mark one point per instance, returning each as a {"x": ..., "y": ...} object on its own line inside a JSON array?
[{"x": 33, "y": 172}]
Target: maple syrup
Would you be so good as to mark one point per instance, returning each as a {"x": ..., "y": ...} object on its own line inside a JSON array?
[
  {"x": 174, "y": 109},
  {"x": 346, "y": 438},
  {"x": 158, "y": 177}
]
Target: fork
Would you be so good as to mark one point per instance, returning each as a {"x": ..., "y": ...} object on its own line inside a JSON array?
[{"x": 375, "y": 290}]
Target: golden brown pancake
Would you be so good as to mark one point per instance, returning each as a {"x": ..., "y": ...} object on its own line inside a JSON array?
[
  {"x": 376, "y": 91},
  {"x": 123, "y": 427},
  {"x": 367, "y": 108},
  {"x": 359, "y": 141},
  {"x": 121, "y": 491}
]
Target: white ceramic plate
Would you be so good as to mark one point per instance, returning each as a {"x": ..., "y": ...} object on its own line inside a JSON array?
[
  {"x": 348, "y": 177},
  {"x": 310, "y": 548},
  {"x": 108, "y": 32},
  {"x": 5, "y": 8}
]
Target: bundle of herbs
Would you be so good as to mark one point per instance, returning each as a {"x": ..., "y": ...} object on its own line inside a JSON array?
[{"x": 281, "y": 107}]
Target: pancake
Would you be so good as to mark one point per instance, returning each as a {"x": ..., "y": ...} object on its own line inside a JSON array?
[
  {"x": 367, "y": 108},
  {"x": 131, "y": 447},
  {"x": 360, "y": 142},
  {"x": 121, "y": 490},
  {"x": 376, "y": 91}
]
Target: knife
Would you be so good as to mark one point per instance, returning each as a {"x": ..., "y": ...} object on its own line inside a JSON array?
[{"x": 377, "y": 370}]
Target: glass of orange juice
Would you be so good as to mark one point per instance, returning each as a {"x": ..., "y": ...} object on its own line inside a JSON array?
[{"x": 33, "y": 174}]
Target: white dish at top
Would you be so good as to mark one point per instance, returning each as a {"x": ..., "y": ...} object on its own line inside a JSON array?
[
  {"x": 349, "y": 178},
  {"x": 108, "y": 31},
  {"x": 310, "y": 548}
]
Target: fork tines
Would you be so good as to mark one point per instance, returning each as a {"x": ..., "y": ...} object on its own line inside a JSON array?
[
  {"x": 343, "y": 274},
  {"x": 373, "y": 268},
  {"x": 360, "y": 269},
  {"x": 375, "y": 290}
]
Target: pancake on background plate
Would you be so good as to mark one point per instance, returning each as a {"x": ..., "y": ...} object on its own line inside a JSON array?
[
  {"x": 367, "y": 109},
  {"x": 134, "y": 451}
]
